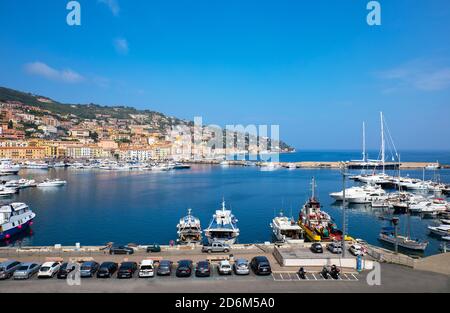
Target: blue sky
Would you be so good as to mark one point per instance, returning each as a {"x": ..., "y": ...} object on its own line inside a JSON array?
[{"x": 313, "y": 67}]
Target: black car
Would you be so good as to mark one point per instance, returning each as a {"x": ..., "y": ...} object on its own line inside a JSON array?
[
  {"x": 65, "y": 270},
  {"x": 203, "y": 269},
  {"x": 184, "y": 268},
  {"x": 164, "y": 268},
  {"x": 261, "y": 265},
  {"x": 317, "y": 247},
  {"x": 121, "y": 250},
  {"x": 127, "y": 269},
  {"x": 154, "y": 248},
  {"x": 107, "y": 270}
]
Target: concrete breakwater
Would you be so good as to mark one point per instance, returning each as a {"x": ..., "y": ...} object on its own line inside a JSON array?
[{"x": 312, "y": 164}]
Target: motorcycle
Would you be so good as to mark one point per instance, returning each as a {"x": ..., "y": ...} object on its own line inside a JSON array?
[
  {"x": 325, "y": 273},
  {"x": 301, "y": 273},
  {"x": 335, "y": 273}
]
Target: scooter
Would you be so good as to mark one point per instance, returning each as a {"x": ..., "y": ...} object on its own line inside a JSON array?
[{"x": 301, "y": 273}]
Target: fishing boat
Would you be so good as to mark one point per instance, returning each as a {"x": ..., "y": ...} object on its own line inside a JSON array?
[
  {"x": 8, "y": 168},
  {"x": 14, "y": 218},
  {"x": 189, "y": 229},
  {"x": 317, "y": 224},
  {"x": 223, "y": 227},
  {"x": 286, "y": 230},
  {"x": 387, "y": 234}
]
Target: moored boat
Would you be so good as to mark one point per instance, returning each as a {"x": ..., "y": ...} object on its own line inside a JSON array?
[
  {"x": 8, "y": 168},
  {"x": 387, "y": 235},
  {"x": 286, "y": 230},
  {"x": 223, "y": 227},
  {"x": 14, "y": 218},
  {"x": 317, "y": 224},
  {"x": 189, "y": 229},
  {"x": 442, "y": 230},
  {"x": 52, "y": 183}
]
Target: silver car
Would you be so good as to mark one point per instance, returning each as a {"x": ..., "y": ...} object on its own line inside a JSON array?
[
  {"x": 241, "y": 267},
  {"x": 8, "y": 268},
  {"x": 26, "y": 270}
]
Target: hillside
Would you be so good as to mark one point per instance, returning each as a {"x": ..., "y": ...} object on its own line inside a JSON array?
[{"x": 157, "y": 120}]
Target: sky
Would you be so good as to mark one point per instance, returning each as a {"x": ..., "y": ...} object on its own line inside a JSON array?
[{"x": 316, "y": 68}]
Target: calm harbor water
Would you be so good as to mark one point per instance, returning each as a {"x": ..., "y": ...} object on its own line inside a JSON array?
[{"x": 97, "y": 206}]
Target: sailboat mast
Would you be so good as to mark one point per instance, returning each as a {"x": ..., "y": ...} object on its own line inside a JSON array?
[
  {"x": 364, "y": 143},
  {"x": 382, "y": 142}
]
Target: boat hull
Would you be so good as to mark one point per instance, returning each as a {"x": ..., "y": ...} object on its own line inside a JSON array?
[
  {"x": 7, "y": 234},
  {"x": 410, "y": 245}
]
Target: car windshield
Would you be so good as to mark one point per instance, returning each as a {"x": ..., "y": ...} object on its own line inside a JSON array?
[
  {"x": 45, "y": 268},
  {"x": 85, "y": 268},
  {"x": 23, "y": 268},
  {"x": 146, "y": 267}
]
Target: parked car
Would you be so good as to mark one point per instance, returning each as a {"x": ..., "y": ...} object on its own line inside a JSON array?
[
  {"x": 127, "y": 270},
  {"x": 216, "y": 247},
  {"x": 203, "y": 269},
  {"x": 261, "y": 265},
  {"x": 317, "y": 247},
  {"x": 184, "y": 268},
  {"x": 356, "y": 250},
  {"x": 153, "y": 248},
  {"x": 335, "y": 247},
  {"x": 164, "y": 268},
  {"x": 107, "y": 270},
  {"x": 241, "y": 267},
  {"x": 224, "y": 268},
  {"x": 65, "y": 269},
  {"x": 8, "y": 268},
  {"x": 147, "y": 269},
  {"x": 49, "y": 269},
  {"x": 121, "y": 250},
  {"x": 89, "y": 269},
  {"x": 26, "y": 271}
]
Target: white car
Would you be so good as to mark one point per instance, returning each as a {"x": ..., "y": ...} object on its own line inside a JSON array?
[
  {"x": 147, "y": 269},
  {"x": 225, "y": 268},
  {"x": 48, "y": 269},
  {"x": 356, "y": 250}
]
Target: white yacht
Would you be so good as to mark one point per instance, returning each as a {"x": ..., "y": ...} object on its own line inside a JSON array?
[
  {"x": 36, "y": 165},
  {"x": 223, "y": 227},
  {"x": 361, "y": 194},
  {"x": 7, "y": 192},
  {"x": 442, "y": 230},
  {"x": 189, "y": 229},
  {"x": 286, "y": 230},
  {"x": 8, "y": 168},
  {"x": 21, "y": 183},
  {"x": 52, "y": 183},
  {"x": 14, "y": 218}
]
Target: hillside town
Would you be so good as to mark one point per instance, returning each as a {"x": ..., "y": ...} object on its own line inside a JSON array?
[{"x": 31, "y": 132}]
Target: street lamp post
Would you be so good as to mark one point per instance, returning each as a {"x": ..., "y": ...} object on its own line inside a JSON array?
[{"x": 344, "y": 226}]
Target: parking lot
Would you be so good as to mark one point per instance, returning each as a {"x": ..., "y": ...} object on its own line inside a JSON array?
[{"x": 312, "y": 277}]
